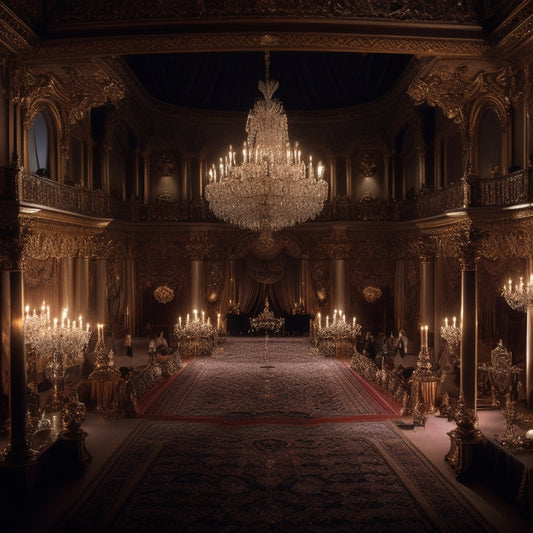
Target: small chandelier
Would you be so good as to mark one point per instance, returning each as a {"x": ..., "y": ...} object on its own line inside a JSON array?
[
  {"x": 519, "y": 296},
  {"x": 451, "y": 333},
  {"x": 272, "y": 188}
]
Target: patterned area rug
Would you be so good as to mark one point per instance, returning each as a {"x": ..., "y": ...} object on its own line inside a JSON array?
[
  {"x": 251, "y": 380},
  {"x": 185, "y": 477}
]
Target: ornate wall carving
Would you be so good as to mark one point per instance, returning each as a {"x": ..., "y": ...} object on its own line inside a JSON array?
[
  {"x": 413, "y": 10},
  {"x": 454, "y": 89}
]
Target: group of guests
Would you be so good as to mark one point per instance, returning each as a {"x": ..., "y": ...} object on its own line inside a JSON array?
[
  {"x": 158, "y": 344},
  {"x": 383, "y": 350}
]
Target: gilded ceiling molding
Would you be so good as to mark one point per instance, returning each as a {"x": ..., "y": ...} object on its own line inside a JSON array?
[
  {"x": 70, "y": 48},
  {"x": 514, "y": 33},
  {"x": 74, "y": 90},
  {"x": 15, "y": 35},
  {"x": 180, "y": 11}
]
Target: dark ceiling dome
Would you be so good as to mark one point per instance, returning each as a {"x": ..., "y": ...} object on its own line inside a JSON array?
[{"x": 228, "y": 81}]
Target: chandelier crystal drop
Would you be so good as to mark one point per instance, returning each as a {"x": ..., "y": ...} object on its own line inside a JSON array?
[{"x": 272, "y": 188}]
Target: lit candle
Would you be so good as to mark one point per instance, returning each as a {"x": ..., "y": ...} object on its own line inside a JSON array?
[
  {"x": 327, "y": 321},
  {"x": 27, "y": 311},
  {"x": 344, "y": 318},
  {"x": 319, "y": 321},
  {"x": 203, "y": 316},
  {"x": 218, "y": 321},
  {"x": 55, "y": 323},
  {"x": 453, "y": 321},
  {"x": 195, "y": 311},
  {"x": 446, "y": 322},
  {"x": 426, "y": 336},
  {"x": 179, "y": 321},
  {"x": 354, "y": 321},
  {"x": 187, "y": 319},
  {"x": 422, "y": 337}
]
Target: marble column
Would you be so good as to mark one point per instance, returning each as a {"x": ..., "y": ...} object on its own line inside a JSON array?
[
  {"x": 18, "y": 381},
  {"x": 197, "y": 283},
  {"x": 5, "y": 321},
  {"x": 131, "y": 301},
  {"x": 529, "y": 359},
  {"x": 400, "y": 294},
  {"x": 81, "y": 287},
  {"x": 468, "y": 382},
  {"x": 100, "y": 314},
  {"x": 339, "y": 292},
  {"x": 427, "y": 298},
  {"x": 67, "y": 282}
]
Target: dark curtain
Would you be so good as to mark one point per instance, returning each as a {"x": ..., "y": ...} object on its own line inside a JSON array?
[{"x": 278, "y": 279}]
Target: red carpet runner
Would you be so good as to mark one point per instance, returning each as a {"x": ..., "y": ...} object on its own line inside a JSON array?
[{"x": 251, "y": 382}]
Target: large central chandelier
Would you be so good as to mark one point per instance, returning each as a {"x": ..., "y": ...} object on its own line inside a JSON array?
[{"x": 272, "y": 188}]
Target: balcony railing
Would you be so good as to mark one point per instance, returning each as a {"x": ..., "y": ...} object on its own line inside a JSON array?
[{"x": 30, "y": 189}]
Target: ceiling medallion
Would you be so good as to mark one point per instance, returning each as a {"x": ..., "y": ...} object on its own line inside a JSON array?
[
  {"x": 164, "y": 294},
  {"x": 272, "y": 188}
]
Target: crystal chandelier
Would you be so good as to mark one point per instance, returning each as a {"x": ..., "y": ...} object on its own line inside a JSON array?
[
  {"x": 519, "y": 296},
  {"x": 272, "y": 188}
]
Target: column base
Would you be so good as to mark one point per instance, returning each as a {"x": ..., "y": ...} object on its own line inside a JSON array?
[
  {"x": 18, "y": 477},
  {"x": 462, "y": 455}
]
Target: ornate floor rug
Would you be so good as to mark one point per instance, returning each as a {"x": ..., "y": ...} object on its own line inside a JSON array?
[
  {"x": 193, "y": 477},
  {"x": 251, "y": 381}
]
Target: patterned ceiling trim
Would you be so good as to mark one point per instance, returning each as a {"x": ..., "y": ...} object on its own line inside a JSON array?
[
  {"x": 15, "y": 36},
  {"x": 209, "y": 42},
  {"x": 408, "y": 10},
  {"x": 516, "y": 30}
]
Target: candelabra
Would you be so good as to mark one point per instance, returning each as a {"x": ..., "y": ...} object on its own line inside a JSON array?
[
  {"x": 336, "y": 332},
  {"x": 451, "y": 333},
  {"x": 267, "y": 322},
  {"x": 196, "y": 336},
  {"x": 57, "y": 345},
  {"x": 424, "y": 377}
]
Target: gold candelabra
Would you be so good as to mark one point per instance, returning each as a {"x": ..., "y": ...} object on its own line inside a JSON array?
[
  {"x": 336, "y": 331},
  {"x": 197, "y": 336},
  {"x": 57, "y": 344}
]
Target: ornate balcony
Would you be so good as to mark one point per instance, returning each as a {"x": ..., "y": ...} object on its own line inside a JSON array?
[{"x": 35, "y": 191}]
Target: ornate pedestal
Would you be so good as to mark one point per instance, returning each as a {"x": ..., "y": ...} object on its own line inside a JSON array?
[
  {"x": 466, "y": 442},
  {"x": 428, "y": 390},
  {"x": 462, "y": 455}
]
